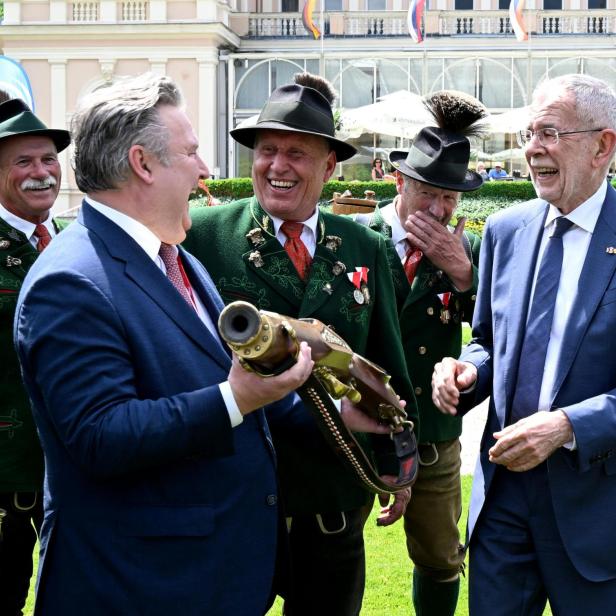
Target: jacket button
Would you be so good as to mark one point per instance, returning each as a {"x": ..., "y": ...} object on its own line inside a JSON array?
[
  {"x": 430, "y": 311},
  {"x": 473, "y": 297},
  {"x": 418, "y": 391},
  {"x": 271, "y": 499},
  {"x": 422, "y": 350}
]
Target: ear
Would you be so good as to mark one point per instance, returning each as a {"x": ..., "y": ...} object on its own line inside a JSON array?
[
  {"x": 140, "y": 162},
  {"x": 606, "y": 146},
  {"x": 399, "y": 183},
  {"x": 331, "y": 165}
]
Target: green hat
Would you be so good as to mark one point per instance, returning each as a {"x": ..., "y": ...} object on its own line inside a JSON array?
[{"x": 17, "y": 119}]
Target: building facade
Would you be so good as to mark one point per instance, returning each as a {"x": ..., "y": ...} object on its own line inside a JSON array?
[{"x": 228, "y": 55}]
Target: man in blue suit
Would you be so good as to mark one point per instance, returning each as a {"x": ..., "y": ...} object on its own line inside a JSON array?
[
  {"x": 540, "y": 520},
  {"x": 160, "y": 491}
]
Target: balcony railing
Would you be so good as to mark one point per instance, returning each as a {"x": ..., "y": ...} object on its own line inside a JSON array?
[
  {"x": 84, "y": 12},
  {"x": 449, "y": 23}
]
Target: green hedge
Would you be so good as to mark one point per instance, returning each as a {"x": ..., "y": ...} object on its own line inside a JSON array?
[{"x": 476, "y": 205}]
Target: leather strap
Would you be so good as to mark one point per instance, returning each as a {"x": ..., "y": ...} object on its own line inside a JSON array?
[{"x": 342, "y": 441}]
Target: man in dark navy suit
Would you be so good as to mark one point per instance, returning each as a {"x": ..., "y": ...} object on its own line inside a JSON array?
[{"x": 161, "y": 491}]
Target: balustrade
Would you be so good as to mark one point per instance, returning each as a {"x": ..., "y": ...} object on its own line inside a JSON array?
[{"x": 85, "y": 11}]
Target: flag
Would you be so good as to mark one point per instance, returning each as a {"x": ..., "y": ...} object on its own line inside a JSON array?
[
  {"x": 517, "y": 20},
  {"x": 15, "y": 82},
  {"x": 416, "y": 9},
  {"x": 307, "y": 19}
]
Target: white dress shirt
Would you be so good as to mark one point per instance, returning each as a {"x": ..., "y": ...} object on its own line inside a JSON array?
[
  {"x": 25, "y": 226},
  {"x": 309, "y": 233},
  {"x": 575, "y": 246},
  {"x": 150, "y": 244}
]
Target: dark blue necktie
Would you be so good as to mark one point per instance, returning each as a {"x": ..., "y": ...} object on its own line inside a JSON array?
[{"x": 539, "y": 326}]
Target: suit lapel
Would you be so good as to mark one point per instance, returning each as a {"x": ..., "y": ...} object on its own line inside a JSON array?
[
  {"x": 597, "y": 272},
  {"x": 144, "y": 273},
  {"x": 526, "y": 246},
  {"x": 16, "y": 257}
]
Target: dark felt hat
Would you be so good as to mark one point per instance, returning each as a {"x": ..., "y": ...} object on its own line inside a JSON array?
[
  {"x": 440, "y": 158},
  {"x": 297, "y": 109},
  {"x": 17, "y": 119}
]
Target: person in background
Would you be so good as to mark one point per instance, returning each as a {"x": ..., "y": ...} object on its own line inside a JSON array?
[
  {"x": 30, "y": 178},
  {"x": 378, "y": 173},
  {"x": 435, "y": 277},
  {"x": 280, "y": 252},
  {"x": 542, "y": 350},
  {"x": 481, "y": 170},
  {"x": 497, "y": 173}
]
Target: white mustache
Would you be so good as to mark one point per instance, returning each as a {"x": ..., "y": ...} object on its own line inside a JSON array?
[{"x": 30, "y": 184}]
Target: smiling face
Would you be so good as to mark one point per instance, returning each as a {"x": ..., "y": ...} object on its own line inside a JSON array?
[
  {"x": 176, "y": 179},
  {"x": 417, "y": 196},
  {"x": 563, "y": 173},
  {"x": 29, "y": 176},
  {"x": 289, "y": 171}
]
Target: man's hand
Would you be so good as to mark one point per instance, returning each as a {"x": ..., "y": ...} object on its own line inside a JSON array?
[
  {"x": 444, "y": 249},
  {"x": 252, "y": 391},
  {"x": 392, "y": 512},
  {"x": 528, "y": 442},
  {"x": 449, "y": 378},
  {"x": 358, "y": 421}
]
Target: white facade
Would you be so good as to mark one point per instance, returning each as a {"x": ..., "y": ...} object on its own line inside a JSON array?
[{"x": 228, "y": 56}]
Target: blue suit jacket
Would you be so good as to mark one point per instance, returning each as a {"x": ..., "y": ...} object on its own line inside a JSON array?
[
  {"x": 582, "y": 482},
  {"x": 154, "y": 504}
]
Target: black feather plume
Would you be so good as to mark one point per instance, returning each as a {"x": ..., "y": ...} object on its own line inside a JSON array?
[
  {"x": 318, "y": 83},
  {"x": 457, "y": 112}
]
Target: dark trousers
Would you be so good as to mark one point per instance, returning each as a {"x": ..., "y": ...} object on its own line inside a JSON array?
[
  {"x": 24, "y": 514},
  {"x": 328, "y": 565},
  {"x": 517, "y": 558}
]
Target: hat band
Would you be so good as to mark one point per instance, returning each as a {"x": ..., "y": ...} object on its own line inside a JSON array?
[
  {"x": 298, "y": 115},
  {"x": 421, "y": 162}
]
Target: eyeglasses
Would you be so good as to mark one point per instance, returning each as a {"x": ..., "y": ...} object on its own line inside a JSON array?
[{"x": 548, "y": 136}]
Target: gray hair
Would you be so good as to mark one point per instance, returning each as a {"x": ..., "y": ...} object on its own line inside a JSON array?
[
  {"x": 113, "y": 119},
  {"x": 595, "y": 101}
]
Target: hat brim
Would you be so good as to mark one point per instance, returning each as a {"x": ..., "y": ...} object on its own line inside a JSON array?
[
  {"x": 472, "y": 180},
  {"x": 60, "y": 138},
  {"x": 246, "y": 136}
]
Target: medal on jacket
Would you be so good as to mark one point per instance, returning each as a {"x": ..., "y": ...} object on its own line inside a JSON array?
[
  {"x": 359, "y": 278},
  {"x": 445, "y": 316}
]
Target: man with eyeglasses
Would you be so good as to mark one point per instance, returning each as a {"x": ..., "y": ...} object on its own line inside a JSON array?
[{"x": 540, "y": 516}]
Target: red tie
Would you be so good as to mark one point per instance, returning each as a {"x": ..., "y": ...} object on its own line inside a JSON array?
[
  {"x": 411, "y": 263},
  {"x": 175, "y": 272},
  {"x": 43, "y": 236},
  {"x": 296, "y": 249}
]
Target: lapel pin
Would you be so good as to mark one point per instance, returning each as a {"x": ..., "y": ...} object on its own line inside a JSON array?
[
  {"x": 14, "y": 235},
  {"x": 328, "y": 288},
  {"x": 366, "y": 292},
  {"x": 256, "y": 259},
  {"x": 333, "y": 242},
  {"x": 11, "y": 261},
  {"x": 4, "y": 244},
  {"x": 256, "y": 237},
  {"x": 338, "y": 268},
  {"x": 611, "y": 250}
]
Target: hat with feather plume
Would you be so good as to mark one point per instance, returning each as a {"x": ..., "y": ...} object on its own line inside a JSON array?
[{"x": 439, "y": 155}]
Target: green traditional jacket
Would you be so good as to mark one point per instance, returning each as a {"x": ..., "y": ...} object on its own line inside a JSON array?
[
  {"x": 21, "y": 458},
  {"x": 237, "y": 245},
  {"x": 425, "y": 336}
]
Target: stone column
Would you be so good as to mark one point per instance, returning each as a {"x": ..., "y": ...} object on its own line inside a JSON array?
[
  {"x": 208, "y": 63},
  {"x": 59, "y": 120}
]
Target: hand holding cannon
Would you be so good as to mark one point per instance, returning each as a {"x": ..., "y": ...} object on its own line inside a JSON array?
[{"x": 267, "y": 343}]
